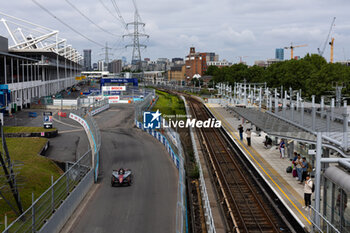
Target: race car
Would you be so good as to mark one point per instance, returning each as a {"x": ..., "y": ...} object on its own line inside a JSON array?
[{"x": 121, "y": 177}]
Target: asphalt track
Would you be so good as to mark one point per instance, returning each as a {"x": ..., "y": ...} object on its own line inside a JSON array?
[{"x": 149, "y": 205}]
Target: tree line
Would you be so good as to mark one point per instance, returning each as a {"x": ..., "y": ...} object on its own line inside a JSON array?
[{"x": 312, "y": 74}]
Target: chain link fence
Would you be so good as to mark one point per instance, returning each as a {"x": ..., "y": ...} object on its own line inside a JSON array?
[{"x": 44, "y": 206}]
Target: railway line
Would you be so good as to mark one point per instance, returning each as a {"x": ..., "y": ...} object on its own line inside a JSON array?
[{"x": 246, "y": 201}]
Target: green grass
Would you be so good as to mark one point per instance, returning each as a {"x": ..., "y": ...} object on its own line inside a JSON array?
[
  {"x": 24, "y": 129},
  {"x": 34, "y": 176},
  {"x": 169, "y": 104}
]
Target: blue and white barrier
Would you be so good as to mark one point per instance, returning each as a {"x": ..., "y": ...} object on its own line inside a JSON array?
[{"x": 163, "y": 140}]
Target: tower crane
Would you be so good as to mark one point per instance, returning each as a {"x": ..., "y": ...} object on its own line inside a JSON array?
[
  {"x": 291, "y": 47},
  {"x": 332, "y": 47},
  {"x": 320, "y": 52}
]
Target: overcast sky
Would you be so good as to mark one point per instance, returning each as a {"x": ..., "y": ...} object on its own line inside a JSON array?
[{"x": 230, "y": 28}]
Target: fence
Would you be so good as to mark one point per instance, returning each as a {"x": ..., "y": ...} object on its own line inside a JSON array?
[
  {"x": 205, "y": 200},
  {"x": 63, "y": 196},
  {"x": 43, "y": 207},
  {"x": 326, "y": 225},
  {"x": 175, "y": 153}
]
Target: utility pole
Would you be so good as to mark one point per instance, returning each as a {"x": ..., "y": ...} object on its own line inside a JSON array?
[{"x": 136, "y": 52}]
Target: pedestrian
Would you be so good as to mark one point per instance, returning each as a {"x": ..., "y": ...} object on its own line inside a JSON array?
[
  {"x": 282, "y": 147},
  {"x": 307, "y": 191},
  {"x": 268, "y": 142},
  {"x": 304, "y": 167},
  {"x": 249, "y": 134},
  {"x": 240, "y": 130},
  {"x": 298, "y": 163}
]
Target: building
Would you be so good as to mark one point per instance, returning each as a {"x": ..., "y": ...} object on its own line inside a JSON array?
[
  {"x": 87, "y": 59},
  {"x": 272, "y": 61},
  {"x": 154, "y": 77},
  {"x": 195, "y": 63},
  {"x": 279, "y": 54},
  {"x": 101, "y": 66},
  {"x": 177, "y": 61},
  {"x": 266, "y": 63},
  {"x": 124, "y": 61},
  {"x": 219, "y": 63},
  {"x": 94, "y": 66},
  {"x": 31, "y": 67},
  {"x": 115, "y": 66},
  {"x": 212, "y": 57},
  {"x": 177, "y": 73}
]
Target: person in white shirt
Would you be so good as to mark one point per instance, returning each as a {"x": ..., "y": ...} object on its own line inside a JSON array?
[{"x": 307, "y": 191}]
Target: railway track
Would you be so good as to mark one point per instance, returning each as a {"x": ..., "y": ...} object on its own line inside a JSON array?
[{"x": 244, "y": 201}]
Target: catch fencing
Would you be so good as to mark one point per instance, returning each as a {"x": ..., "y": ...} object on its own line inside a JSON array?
[
  {"x": 176, "y": 154},
  {"x": 50, "y": 211},
  {"x": 42, "y": 209}
]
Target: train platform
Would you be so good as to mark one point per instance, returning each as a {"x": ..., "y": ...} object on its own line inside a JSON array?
[{"x": 268, "y": 163}]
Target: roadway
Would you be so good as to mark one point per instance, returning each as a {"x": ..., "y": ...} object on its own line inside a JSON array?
[{"x": 149, "y": 205}]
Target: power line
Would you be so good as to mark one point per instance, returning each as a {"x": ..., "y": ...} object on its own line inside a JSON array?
[
  {"x": 67, "y": 25},
  {"x": 118, "y": 12},
  {"x": 107, "y": 9},
  {"x": 87, "y": 18}
]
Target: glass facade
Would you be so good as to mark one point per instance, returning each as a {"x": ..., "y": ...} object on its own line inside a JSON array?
[{"x": 279, "y": 54}]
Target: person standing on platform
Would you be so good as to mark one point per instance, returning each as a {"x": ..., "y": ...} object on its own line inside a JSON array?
[
  {"x": 282, "y": 148},
  {"x": 249, "y": 134},
  {"x": 240, "y": 130},
  {"x": 307, "y": 191},
  {"x": 298, "y": 167},
  {"x": 304, "y": 167}
]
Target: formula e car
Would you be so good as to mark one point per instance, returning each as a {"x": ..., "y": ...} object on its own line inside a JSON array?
[{"x": 121, "y": 177}]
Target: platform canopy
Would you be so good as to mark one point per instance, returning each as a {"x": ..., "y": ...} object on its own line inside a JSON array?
[{"x": 276, "y": 126}]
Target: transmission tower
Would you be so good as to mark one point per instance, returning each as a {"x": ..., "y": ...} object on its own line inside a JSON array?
[
  {"x": 106, "y": 53},
  {"x": 136, "y": 52}
]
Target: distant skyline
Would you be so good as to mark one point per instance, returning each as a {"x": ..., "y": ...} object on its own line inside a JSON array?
[{"x": 230, "y": 28}]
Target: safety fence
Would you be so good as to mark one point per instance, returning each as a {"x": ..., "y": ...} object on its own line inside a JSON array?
[
  {"x": 41, "y": 210},
  {"x": 176, "y": 154},
  {"x": 317, "y": 219},
  {"x": 51, "y": 210},
  {"x": 204, "y": 194}
]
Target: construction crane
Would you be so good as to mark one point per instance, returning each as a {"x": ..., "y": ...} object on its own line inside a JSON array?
[
  {"x": 332, "y": 47},
  {"x": 241, "y": 58},
  {"x": 320, "y": 52},
  {"x": 291, "y": 47}
]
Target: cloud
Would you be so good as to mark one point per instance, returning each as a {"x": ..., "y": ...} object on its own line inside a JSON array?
[{"x": 229, "y": 27}]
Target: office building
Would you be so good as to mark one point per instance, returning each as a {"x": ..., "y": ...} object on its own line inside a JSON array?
[
  {"x": 279, "y": 54},
  {"x": 87, "y": 59}
]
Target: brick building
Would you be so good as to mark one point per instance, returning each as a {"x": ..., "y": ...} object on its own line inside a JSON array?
[
  {"x": 195, "y": 63},
  {"x": 177, "y": 73}
]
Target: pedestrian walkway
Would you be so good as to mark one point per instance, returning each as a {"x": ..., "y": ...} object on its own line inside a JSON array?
[{"x": 268, "y": 162}]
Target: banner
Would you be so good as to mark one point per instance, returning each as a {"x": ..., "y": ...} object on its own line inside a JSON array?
[{"x": 113, "y": 88}]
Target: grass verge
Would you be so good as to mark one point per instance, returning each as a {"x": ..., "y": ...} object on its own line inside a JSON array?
[
  {"x": 33, "y": 175},
  {"x": 24, "y": 129},
  {"x": 169, "y": 105}
]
